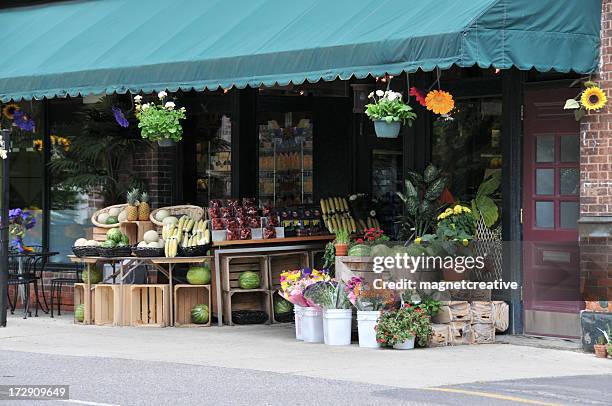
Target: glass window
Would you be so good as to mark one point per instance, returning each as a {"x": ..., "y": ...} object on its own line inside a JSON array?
[
  {"x": 570, "y": 148},
  {"x": 545, "y": 214},
  {"x": 386, "y": 182},
  {"x": 570, "y": 181},
  {"x": 545, "y": 148},
  {"x": 467, "y": 147},
  {"x": 545, "y": 181}
]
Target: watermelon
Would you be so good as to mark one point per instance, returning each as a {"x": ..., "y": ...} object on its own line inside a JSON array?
[
  {"x": 199, "y": 314},
  {"x": 414, "y": 250},
  {"x": 112, "y": 220},
  {"x": 96, "y": 276},
  {"x": 399, "y": 249},
  {"x": 108, "y": 244},
  {"x": 199, "y": 275},
  {"x": 249, "y": 280},
  {"x": 79, "y": 313},
  {"x": 359, "y": 250},
  {"x": 125, "y": 240},
  {"x": 282, "y": 306},
  {"x": 381, "y": 250},
  {"x": 114, "y": 235}
]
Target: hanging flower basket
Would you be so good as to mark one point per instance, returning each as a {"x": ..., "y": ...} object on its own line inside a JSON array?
[
  {"x": 384, "y": 129},
  {"x": 388, "y": 111},
  {"x": 166, "y": 143},
  {"x": 160, "y": 122}
]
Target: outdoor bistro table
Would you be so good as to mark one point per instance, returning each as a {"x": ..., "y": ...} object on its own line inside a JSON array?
[{"x": 129, "y": 264}]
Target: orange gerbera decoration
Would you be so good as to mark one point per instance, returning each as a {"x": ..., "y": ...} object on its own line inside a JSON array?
[{"x": 439, "y": 101}]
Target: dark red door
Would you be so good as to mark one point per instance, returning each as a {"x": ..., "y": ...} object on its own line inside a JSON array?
[{"x": 551, "y": 182}]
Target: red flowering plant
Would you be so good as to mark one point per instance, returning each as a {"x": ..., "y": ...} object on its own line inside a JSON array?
[
  {"x": 372, "y": 235},
  {"x": 365, "y": 298},
  {"x": 401, "y": 325}
]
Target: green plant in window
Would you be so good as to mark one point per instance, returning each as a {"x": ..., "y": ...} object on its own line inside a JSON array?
[{"x": 483, "y": 205}]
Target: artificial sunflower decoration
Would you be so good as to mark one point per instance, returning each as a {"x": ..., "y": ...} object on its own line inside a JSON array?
[
  {"x": 9, "y": 110},
  {"x": 440, "y": 102},
  {"x": 593, "y": 98}
]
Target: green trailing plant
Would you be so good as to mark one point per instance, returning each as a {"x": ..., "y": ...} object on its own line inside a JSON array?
[
  {"x": 420, "y": 199},
  {"x": 422, "y": 301},
  {"x": 329, "y": 258},
  {"x": 483, "y": 205},
  {"x": 95, "y": 162}
]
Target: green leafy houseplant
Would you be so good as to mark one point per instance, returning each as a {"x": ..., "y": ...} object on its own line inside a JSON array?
[
  {"x": 388, "y": 106},
  {"x": 398, "y": 326},
  {"x": 483, "y": 205},
  {"x": 420, "y": 200},
  {"x": 159, "y": 121}
]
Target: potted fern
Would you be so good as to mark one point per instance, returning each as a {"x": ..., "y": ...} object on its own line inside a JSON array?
[
  {"x": 389, "y": 112},
  {"x": 160, "y": 122}
]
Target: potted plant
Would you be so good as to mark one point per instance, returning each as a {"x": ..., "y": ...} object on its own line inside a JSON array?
[
  {"x": 370, "y": 303},
  {"x": 603, "y": 344},
  {"x": 341, "y": 243},
  {"x": 388, "y": 111},
  {"x": 160, "y": 122},
  {"x": 402, "y": 327},
  {"x": 331, "y": 297}
]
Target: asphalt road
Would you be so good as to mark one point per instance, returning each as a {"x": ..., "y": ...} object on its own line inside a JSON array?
[{"x": 112, "y": 381}]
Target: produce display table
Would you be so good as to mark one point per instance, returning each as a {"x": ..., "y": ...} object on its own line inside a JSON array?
[{"x": 129, "y": 264}]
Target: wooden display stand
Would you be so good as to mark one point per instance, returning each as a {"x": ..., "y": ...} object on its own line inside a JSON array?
[
  {"x": 289, "y": 261},
  {"x": 135, "y": 230},
  {"x": 233, "y": 266},
  {"x": 185, "y": 298},
  {"x": 99, "y": 234},
  {"x": 108, "y": 305},
  {"x": 258, "y": 299},
  {"x": 84, "y": 296},
  {"x": 317, "y": 260},
  {"x": 149, "y": 305}
]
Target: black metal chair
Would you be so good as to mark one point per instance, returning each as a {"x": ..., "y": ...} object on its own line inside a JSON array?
[
  {"x": 17, "y": 278},
  {"x": 58, "y": 283}
]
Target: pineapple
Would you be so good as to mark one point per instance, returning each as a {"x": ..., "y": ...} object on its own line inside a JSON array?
[
  {"x": 143, "y": 207},
  {"x": 132, "y": 207}
]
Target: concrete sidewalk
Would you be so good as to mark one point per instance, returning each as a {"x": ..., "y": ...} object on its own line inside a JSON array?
[{"x": 273, "y": 348}]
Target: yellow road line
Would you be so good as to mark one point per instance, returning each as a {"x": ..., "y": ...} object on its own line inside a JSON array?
[{"x": 493, "y": 396}]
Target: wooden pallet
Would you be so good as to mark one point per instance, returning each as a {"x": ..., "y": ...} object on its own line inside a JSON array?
[
  {"x": 453, "y": 311},
  {"x": 84, "y": 296},
  {"x": 149, "y": 305},
  {"x": 441, "y": 336},
  {"x": 482, "y": 312},
  {"x": 461, "y": 333},
  {"x": 484, "y": 333},
  {"x": 185, "y": 298},
  {"x": 233, "y": 266},
  {"x": 287, "y": 261},
  {"x": 246, "y": 300},
  {"x": 501, "y": 316}
]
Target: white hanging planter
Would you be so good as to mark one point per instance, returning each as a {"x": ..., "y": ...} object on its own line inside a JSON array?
[
  {"x": 406, "y": 345},
  {"x": 366, "y": 326},
  {"x": 166, "y": 142},
  {"x": 311, "y": 325},
  {"x": 337, "y": 326},
  {"x": 384, "y": 129}
]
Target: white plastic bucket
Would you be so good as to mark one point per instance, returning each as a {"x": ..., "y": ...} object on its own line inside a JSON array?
[
  {"x": 297, "y": 310},
  {"x": 366, "y": 325},
  {"x": 337, "y": 326},
  {"x": 311, "y": 325},
  {"x": 406, "y": 345}
]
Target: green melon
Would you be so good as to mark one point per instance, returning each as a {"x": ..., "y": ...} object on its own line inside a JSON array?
[
  {"x": 249, "y": 280},
  {"x": 96, "y": 276},
  {"x": 359, "y": 250},
  {"x": 114, "y": 235},
  {"x": 282, "y": 306},
  {"x": 199, "y": 275},
  {"x": 79, "y": 313},
  {"x": 381, "y": 250},
  {"x": 125, "y": 240},
  {"x": 112, "y": 220},
  {"x": 108, "y": 244},
  {"x": 199, "y": 314}
]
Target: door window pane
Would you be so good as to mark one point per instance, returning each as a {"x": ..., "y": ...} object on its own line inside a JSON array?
[
  {"x": 569, "y": 213},
  {"x": 545, "y": 215},
  {"x": 386, "y": 182},
  {"x": 570, "y": 181},
  {"x": 570, "y": 149},
  {"x": 545, "y": 181},
  {"x": 545, "y": 148}
]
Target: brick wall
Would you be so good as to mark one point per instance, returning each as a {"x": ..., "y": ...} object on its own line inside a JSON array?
[
  {"x": 596, "y": 185},
  {"x": 156, "y": 167}
]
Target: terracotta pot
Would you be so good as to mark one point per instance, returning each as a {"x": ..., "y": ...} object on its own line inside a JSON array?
[
  {"x": 601, "y": 351},
  {"x": 341, "y": 250}
]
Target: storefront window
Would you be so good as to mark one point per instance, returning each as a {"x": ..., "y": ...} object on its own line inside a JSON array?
[
  {"x": 467, "y": 146},
  {"x": 285, "y": 159},
  {"x": 386, "y": 182}
]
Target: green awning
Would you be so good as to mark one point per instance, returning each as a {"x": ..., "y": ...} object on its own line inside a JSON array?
[{"x": 104, "y": 46}]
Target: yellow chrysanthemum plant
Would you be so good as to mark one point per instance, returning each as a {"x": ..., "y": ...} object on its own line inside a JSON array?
[
  {"x": 457, "y": 224},
  {"x": 592, "y": 98}
]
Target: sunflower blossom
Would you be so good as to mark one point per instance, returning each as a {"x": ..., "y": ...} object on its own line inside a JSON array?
[{"x": 593, "y": 98}]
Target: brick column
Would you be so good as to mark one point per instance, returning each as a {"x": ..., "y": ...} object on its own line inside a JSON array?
[
  {"x": 595, "y": 226},
  {"x": 155, "y": 166}
]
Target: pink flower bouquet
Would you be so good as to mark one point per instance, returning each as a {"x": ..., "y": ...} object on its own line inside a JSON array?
[{"x": 293, "y": 284}]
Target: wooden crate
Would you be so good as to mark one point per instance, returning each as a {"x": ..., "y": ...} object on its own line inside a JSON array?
[
  {"x": 107, "y": 305},
  {"x": 187, "y": 296},
  {"x": 135, "y": 230},
  {"x": 484, "y": 333},
  {"x": 453, "y": 311},
  {"x": 233, "y": 266},
  {"x": 441, "y": 336},
  {"x": 99, "y": 234},
  {"x": 149, "y": 305},
  {"x": 84, "y": 296},
  {"x": 316, "y": 259},
  {"x": 461, "y": 333},
  {"x": 482, "y": 312},
  {"x": 246, "y": 300},
  {"x": 501, "y": 316},
  {"x": 288, "y": 261}
]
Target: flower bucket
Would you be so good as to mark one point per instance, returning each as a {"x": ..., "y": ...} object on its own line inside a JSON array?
[
  {"x": 387, "y": 130},
  {"x": 337, "y": 326},
  {"x": 366, "y": 326},
  {"x": 166, "y": 142},
  {"x": 311, "y": 325},
  {"x": 298, "y": 321},
  {"x": 406, "y": 345}
]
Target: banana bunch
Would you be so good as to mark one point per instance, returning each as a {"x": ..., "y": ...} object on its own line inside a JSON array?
[{"x": 186, "y": 233}]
